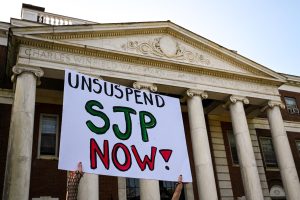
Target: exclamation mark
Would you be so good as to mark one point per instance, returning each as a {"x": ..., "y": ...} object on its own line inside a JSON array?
[{"x": 166, "y": 154}]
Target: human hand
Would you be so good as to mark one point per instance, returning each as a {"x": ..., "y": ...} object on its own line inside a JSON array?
[
  {"x": 179, "y": 179},
  {"x": 79, "y": 167}
]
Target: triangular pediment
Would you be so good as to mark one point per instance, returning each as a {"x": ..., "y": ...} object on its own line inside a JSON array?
[
  {"x": 161, "y": 46},
  {"x": 158, "y": 41}
]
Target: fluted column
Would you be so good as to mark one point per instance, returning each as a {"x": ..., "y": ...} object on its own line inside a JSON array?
[
  {"x": 149, "y": 189},
  {"x": 19, "y": 151},
  {"x": 202, "y": 156},
  {"x": 283, "y": 151},
  {"x": 250, "y": 176}
]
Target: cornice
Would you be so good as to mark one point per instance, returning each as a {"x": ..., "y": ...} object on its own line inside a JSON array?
[
  {"x": 148, "y": 31},
  {"x": 292, "y": 79},
  {"x": 102, "y": 33},
  {"x": 142, "y": 60}
]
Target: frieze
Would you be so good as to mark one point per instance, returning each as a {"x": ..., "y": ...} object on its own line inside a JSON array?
[
  {"x": 61, "y": 57},
  {"x": 166, "y": 47},
  {"x": 206, "y": 81}
]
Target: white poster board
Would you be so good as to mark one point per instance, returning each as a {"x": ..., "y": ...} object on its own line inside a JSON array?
[{"x": 119, "y": 131}]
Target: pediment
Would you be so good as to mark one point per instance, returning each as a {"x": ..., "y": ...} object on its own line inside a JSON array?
[
  {"x": 161, "y": 46},
  {"x": 159, "y": 41}
]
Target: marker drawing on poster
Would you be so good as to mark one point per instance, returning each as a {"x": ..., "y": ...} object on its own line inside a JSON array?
[{"x": 119, "y": 131}]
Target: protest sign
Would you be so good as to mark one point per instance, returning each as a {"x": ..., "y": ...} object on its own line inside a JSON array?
[{"x": 119, "y": 131}]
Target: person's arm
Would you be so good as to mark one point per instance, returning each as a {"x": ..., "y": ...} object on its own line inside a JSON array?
[
  {"x": 178, "y": 189},
  {"x": 73, "y": 182}
]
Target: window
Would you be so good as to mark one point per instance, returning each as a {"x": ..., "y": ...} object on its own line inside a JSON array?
[
  {"x": 233, "y": 150},
  {"x": 268, "y": 152},
  {"x": 291, "y": 105},
  {"x": 167, "y": 189},
  {"x": 132, "y": 189},
  {"x": 48, "y": 135}
]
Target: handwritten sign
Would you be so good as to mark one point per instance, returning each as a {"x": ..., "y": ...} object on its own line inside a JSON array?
[{"x": 119, "y": 131}]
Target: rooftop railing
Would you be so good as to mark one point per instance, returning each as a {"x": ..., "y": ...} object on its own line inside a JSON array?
[{"x": 51, "y": 19}]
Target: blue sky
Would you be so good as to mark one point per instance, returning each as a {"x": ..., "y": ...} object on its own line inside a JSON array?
[{"x": 267, "y": 32}]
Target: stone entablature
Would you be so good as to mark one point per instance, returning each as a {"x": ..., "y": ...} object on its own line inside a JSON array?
[{"x": 60, "y": 60}]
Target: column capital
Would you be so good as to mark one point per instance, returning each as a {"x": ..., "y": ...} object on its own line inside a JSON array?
[
  {"x": 19, "y": 69},
  {"x": 38, "y": 72},
  {"x": 235, "y": 98},
  {"x": 143, "y": 85},
  {"x": 271, "y": 104},
  {"x": 200, "y": 93}
]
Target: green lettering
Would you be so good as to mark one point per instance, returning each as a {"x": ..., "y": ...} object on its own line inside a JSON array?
[
  {"x": 89, "y": 108},
  {"x": 146, "y": 125},
  {"x": 127, "y": 111}
]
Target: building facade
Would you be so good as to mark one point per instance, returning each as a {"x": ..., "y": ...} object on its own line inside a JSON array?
[{"x": 241, "y": 119}]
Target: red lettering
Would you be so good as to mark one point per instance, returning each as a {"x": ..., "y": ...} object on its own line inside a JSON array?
[
  {"x": 127, "y": 164},
  {"x": 95, "y": 150},
  {"x": 147, "y": 160}
]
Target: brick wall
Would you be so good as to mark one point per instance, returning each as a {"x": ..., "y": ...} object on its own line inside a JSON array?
[
  {"x": 220, "y": 158},
  {"x": 231, "y": 182},
  {"x": 46, "y": 179},
  {"x": 5, "y": 112},
  {"x": 108, "y": 188},
  {"x": 4, "y": 80},
  {"x": 233, "y": 169},
  {"x": 285, "y": 114},
  {"x": 273, "y": 175}
]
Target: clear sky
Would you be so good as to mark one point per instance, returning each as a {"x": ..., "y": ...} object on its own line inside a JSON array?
[{"x": 267, "y": 32}]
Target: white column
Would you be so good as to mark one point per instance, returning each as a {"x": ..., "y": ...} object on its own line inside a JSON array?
[
  {"x": 283, "y": 151},
  {"x": 122, "y": 188},
  {"x": 245, "y": 152},
  {"x": 88, "y": 187},
  {"x": 188, "y": 191},
  {"x": 149, "y": 189},
  {"x": 19, "y": 151},
  {"x": 202, "y": 157}
]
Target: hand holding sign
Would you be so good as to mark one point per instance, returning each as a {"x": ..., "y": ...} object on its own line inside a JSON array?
[{"x": 120, "y": 131}]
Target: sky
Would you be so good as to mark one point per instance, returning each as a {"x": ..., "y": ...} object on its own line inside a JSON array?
[{"x": 267, "y": 32}]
